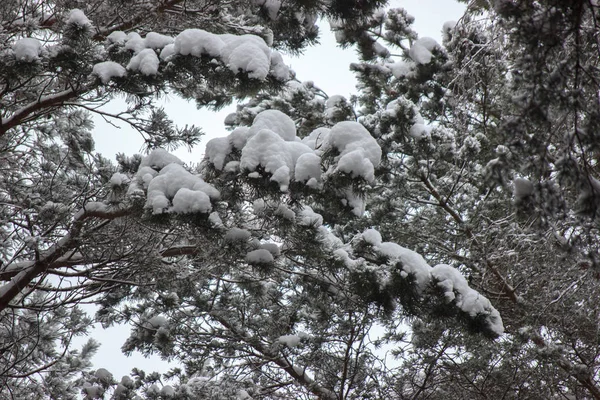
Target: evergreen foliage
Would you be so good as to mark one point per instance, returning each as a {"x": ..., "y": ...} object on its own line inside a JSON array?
[{"x": 271, "y": 271}]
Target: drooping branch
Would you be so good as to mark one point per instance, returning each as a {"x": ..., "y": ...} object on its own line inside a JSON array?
[
  {"x": 22, "y": 279},
  {"x": 44, "y": 102}
]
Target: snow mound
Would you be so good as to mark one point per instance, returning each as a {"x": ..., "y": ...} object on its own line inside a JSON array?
[
  {"x": 421, "y": 50},
  {"x": 359, "y": 151},
  {"x": 237, "y": 235},
  {"x": 246, "y": 53},
  {"x": 77, "y": 17},
  {"x": 170, "y": 187},
  {"x": 118, "y": 37},
  {"x": 523, "y": 188},
  {"x": 291, "y": 340},
  {"x": 108, "y": 70},
  {"x": 401, "y": 69},
  {"x": 270, "y": 144},
  {"x": 27, "y": 49},
  {"x": 275, "y": 121},
  {"x": 145, "y": 62},
  {"x": 155, "y": 40},
  {"x": 260, "y": 256},
  {"x": 158, "y": 321},
  {"x": 308, "y": 217},
  {"x": 274, "y": 154}
]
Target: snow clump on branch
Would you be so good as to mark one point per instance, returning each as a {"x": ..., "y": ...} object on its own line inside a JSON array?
[
  {"x": 27, "y": 49},
  {"x": 271, "y": 143},
  {"x": 421, "y": 50},
  {"x": 170, "y": 187}
]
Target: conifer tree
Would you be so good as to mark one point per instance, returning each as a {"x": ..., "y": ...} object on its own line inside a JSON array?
[{"x": 254, "y": 271}]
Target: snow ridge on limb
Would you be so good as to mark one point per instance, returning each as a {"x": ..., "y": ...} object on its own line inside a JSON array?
[
  {"x": 445, "y": 278},
  {"x": 240, "y": 53},
  {"x": 128, "y": 54}
]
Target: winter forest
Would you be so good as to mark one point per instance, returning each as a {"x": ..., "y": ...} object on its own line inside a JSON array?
[{"x": 434, "y": 236}]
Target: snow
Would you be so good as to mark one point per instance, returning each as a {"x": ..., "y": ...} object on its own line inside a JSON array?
[
  {"x": 232, "y": 166},
  {"x": 155, "y": 40},
  {"x": 93, "y": 392},
  {"x": 127, "y": 381},
  {"x": 271, "y": 144},
  {"x": 27, "y": 49},
  {"x": 103, "y": 375},
  {"x": 134, "y": 42},
  {"x": 359, "y": 151},
  {"x": 310, "y": 218},
  {"x": 93, "y": 206},
  {"x": 215, "y": 219},
  {"x": 239, "y": 137},
  {"x": 272, "y": 248},
  {"x": 523, "y": 188},
  {"x": 186, "y": 201},
  {"x": 308, "y": 166},
  {"x": 173, "y": 189},
  {"x": 197, "y": 42},
  {"x": 259, "y": 206},
  {"x": 217, "y": 150},
  {"x": 120, "y": 391},
  {"x": 237, "y": 235},
  {"x": 274, "y": 154},
  {"x": 275, "y": 121},
  {"x": 279, "y": 70},
  {"x": 243, "y": 395},
  {"x": 316, "y": 138},
  {"x": 77, "y": 17},
  {"x": 447, "y": 278},
  {"x": 167, "y": 391},
  {"x": 420, "y": 51},
  {"x": 290, "y": 340},
  {"x": 272, "y": 7},
  {"x": 158, "y": 321},
  {"x": 457, "y": 289},
  {"x": 167, "y": 51},
  {"x": 401, "y": 69},
  {"x": 447, "y": 29},
  {"x": 420, "y": 131},
  {"x": 334, "y": 101},
  {"x": 145, "y": 62},
  {"x": 118, "y": 37},
  {"x": 108, "y": 70},
  {"x": 372, "y": 236},
  {"x": 260, "y": 256},
  {"x": 246, "y": 53},
  {"x": 154, "y": 389},
  {"x": 285, "y": 212},
  {"x": 343, "y": 256},
  {"x": 159, "y": 158},
  {"x": 118, "y": 179}
]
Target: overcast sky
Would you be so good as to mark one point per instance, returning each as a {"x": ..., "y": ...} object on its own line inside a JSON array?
[{"x": 325, "y": 65}]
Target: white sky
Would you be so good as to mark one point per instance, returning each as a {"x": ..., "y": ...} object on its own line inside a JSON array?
[{"x": 326, "y": 65}]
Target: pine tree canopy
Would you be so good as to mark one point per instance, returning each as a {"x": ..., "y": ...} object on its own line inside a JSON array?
[{"x": 434, "y": 236}]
